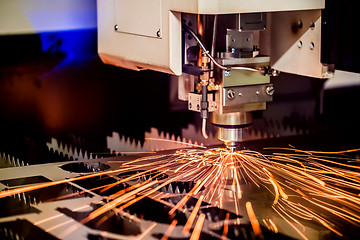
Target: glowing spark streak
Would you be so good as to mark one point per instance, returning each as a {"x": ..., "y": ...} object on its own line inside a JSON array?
[
  {"x": 226, "y": 226},
  {"x": 297, "y": 210},
  {"x": 285, "y": 158},
  {"x": 144, "y": 159},
  {"x": 127, "y": 179},
  {"x": 241, "y": 172},
  {"x": 146, "y": 194},
  {"x": 244, "y": 167},
  {"x": 48, "y": 219},
  {"x": 191, "y": 173},
  {"x": 169, "y": 230},
  {"x": 198, "y": 227},
  {"x": 237, "y": 183},
  {"x": 355, "y": 217},
  {"x": 7, "y": 193},
  {"x": 267, "y": 225},
  {"x": 104, "y": 219},
  {"x": 292, "y": 225},
  {"x": 183, "y": 166},
  {"x": 183, "y": 201},
  {"x": 192, "y": 216},
  {"x": 115, "y": 202},
  {"x": 204, "y": 181},
  {"x": 276, "y": 191},
  {"x": 146, "y": 232},
  {"x": 288, "y": 214},
  {"x": 253, "y": 220},
  {"x": 173, "y": 141},
  {"x": 149, "y": 192},
  {"x": 59, "y": 225},
  {"x": 121, "y": 192},
  {"x": 78, "y": 193},
  {"x": 302, "y": 173},
  {"x": 213, "y": 188},
  {"x": 291, "y": 149},
  {"x": 339, "y": 152},
  {"x": 274, "y": 227},
  {"x": 337, "y": 163},
  {"x": 58, "y": 215},
  {"x": 327, "y": 226}
]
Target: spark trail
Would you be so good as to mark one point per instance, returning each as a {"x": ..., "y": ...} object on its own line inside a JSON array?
[{"x": 304, "y": 186}]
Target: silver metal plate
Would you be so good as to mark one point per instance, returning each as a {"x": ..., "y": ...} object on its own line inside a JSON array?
[{"x": 247, "y": 94}]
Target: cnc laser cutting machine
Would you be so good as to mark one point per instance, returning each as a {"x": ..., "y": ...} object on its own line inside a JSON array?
[
  {"x": 72, "y": 127},
  {"x": 223, "y": 52}
]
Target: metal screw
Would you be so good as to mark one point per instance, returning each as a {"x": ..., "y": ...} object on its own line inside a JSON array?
[
  {"x": 158, "y": 33},
  {"x": 312, "y": 45},
  {"x": 299, "y": 44},
  {"x": 240, "y": 94},
  {"x": 312, "y": 25},
  {"x": 257, "y": 92},
  {"x": 300, "y": 24},
  {"x": 197, "y": 106},
  {"x": 270, "y": 90},
  {"x": 190, "y": 106},
  {"x": 231, "y": 94},
  {"x": 116, "y": 27}
]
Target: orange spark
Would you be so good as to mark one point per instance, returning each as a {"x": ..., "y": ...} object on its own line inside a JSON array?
[
  {"x": 169, "y": 230},
  {"x": 192, "y": 216},
  {"x": 198, "y": 227},
  {"x": 253, "y": 220},
  {"x": 226, "y": 226}
]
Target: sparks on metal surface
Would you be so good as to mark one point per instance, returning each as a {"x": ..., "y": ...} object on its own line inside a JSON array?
[{"x": 304, "y": 186}]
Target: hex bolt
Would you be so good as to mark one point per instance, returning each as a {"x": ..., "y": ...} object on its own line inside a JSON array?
[
  {"x": 270, "y": 90},
  {"x": 231, "y": 94}
]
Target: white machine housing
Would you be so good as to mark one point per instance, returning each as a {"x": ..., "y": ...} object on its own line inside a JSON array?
[{"x": 139, "y": 34}]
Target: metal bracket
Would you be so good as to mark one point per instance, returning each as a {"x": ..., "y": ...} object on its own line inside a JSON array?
[
  {"x": 247, "y": 94},
  {"x": 194, "y": 103}
]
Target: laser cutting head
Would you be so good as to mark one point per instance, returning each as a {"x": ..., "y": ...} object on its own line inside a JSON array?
[
  {"x": 231, "y": 136},
  {"x": 220, "y": 53},
  {"x": 237, "y": 80},
  {"x": 231, "y": 127}
]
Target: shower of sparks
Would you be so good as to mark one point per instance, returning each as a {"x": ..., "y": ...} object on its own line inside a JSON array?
[{"x": 303, "y": 185}]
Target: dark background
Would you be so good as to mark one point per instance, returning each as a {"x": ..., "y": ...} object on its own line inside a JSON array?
[{"x": 54, "y": 85}]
